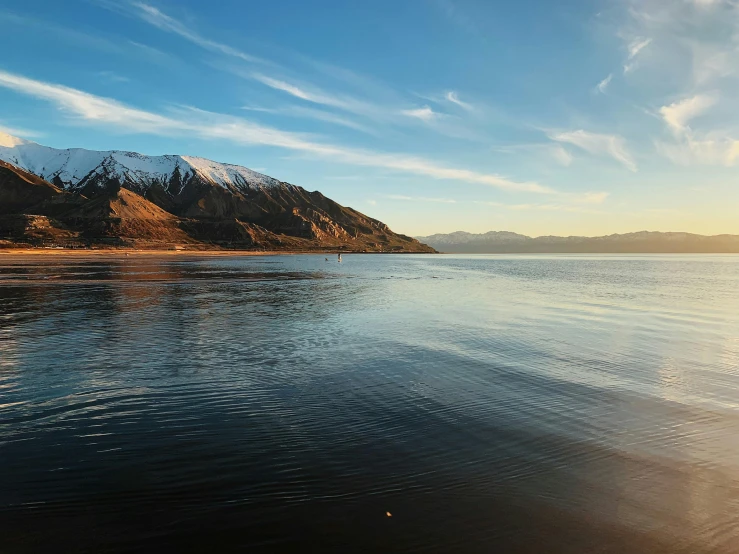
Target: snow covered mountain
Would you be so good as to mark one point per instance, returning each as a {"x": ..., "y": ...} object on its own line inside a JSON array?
[
  {"x": 76, "y": 168},
  {"x": 116, "y": 194}
]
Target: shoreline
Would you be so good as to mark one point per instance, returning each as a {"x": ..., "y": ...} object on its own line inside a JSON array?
[{"x": 129, "y": 252}]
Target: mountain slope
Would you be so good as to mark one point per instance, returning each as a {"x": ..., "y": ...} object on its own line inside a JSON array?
[
  {"x": 640, "y": 242},
  {"x": 20, "y": 190},
  {"x": 21, "y": 193},
  {"x": 192, "y": 199}
]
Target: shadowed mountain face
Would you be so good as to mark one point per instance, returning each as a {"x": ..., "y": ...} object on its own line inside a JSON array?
[
  {"x": 128, "y": 198},
  {"x": 22, "y": 190},
  {"x": 502, "y": 242}
]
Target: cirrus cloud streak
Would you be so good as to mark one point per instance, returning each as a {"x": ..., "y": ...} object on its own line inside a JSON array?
[{"x": 209, "y": 125}]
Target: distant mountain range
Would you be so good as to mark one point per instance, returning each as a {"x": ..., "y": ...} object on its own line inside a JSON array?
[
  {"x": 501, "y": 242},
  {"x": 76, "y": 196}
]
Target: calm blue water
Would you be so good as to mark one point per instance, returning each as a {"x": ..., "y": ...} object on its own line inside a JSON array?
[{"x": 490, "y": 404}]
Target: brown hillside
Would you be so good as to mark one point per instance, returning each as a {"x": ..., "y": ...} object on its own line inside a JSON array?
[
  {"x": 122, "y": 204},
  {"x": 20, "y": 190}
]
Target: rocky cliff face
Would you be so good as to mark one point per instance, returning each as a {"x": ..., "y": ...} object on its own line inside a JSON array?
[{"x": 133, "y": 198}]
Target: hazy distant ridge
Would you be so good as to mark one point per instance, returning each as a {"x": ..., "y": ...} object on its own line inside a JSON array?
[{"x": 501, "y": 242}]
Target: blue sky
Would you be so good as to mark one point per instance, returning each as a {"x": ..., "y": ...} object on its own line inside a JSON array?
[{"x": 569, "y": 117}]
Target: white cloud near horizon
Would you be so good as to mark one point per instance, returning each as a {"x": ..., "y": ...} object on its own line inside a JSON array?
[
  {"x": 598, "y": 144},
  {"x": 696, "y": 147},
  {"x": 723, "y": 151},
  {"x": 208, "y": 125}
]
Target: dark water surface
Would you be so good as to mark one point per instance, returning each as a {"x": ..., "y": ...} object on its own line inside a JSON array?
[{"x": 491, "y": 404}]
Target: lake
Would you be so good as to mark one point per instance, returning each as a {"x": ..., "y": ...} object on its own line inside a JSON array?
[{"x": 390, "y": 403}]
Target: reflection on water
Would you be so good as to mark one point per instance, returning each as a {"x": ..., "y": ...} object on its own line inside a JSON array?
[{"x": 513, "y": 404}]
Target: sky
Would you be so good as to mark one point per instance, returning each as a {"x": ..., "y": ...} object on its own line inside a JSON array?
[{"x": 574, "y": 117}]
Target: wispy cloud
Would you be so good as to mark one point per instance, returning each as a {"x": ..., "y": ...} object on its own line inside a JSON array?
[
  {"x": 718, "y": 150},
  {"x": 561, "y": 156},
  {"x": 634, "y": 47},
  {"x": 297, "y": 92},
  {"x": 372, "y": 113},
  {"x": 424, "y": 114},
  {"x": 282, "y": 79},
  {"x": 312, "y": 113},
  {"x": 19, "y": 132},
  {"x": 161, "y": 20},
  {"x": 208, "y": 125},
  {"x": 552, "y": 152},
  {"x": 678, "y": 114},
  {"x": 598, "y": 144},
  {"x": 316, "y": 95},
  {"x": 452, "y": 97},
  {"x": 637, "y": 45},
  {"x": 590, "y": 197},
  {"x": 308, "y": 93},
  {"x": 690, "y": 40},
  {"x": 713, "y": 147},
  {"x": 603, "y": 85}
]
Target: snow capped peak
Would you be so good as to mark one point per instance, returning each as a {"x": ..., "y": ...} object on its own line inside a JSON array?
[
  {"x": 227, "y": 174},
  {"x": 9, "y": 141},
  {"x": 76, "y": 167}
]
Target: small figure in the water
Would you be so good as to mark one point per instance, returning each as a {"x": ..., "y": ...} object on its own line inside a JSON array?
[
  {"x": 326, "y": 259},
  {"x": 339, "y": 256}
]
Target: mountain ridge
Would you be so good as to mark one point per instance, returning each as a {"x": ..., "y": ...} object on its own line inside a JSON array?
[{"x": 505, "y": 242}]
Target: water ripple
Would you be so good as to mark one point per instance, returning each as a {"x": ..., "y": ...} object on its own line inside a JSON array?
[{"x": 514, "y": 404}]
